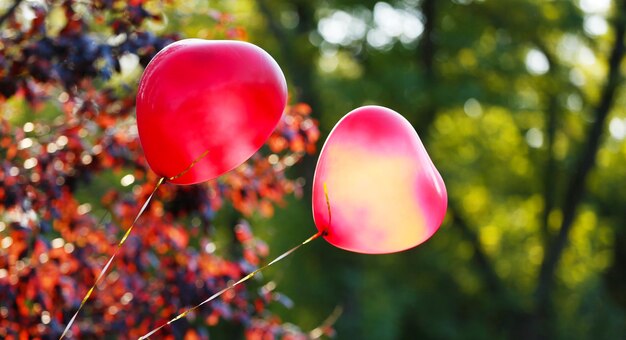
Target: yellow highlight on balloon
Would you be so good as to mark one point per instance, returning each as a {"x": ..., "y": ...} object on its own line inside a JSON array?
[
  {"x": 385, "y": 194},
  {"x": 362, "y": 180}
]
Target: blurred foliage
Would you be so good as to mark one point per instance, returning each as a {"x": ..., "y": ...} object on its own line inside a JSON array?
[
  {"x": 520, "y": 104},
  {"x": 73, "y": 178}
]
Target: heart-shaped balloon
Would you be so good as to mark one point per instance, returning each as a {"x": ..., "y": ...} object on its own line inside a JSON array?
[
  {"x": 375, "y": 189},
  {"x": 221, "y": 99}
]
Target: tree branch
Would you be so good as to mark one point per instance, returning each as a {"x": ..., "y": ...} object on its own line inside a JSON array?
[
  {"x": 276, "y": 30},
  {"x": 510, "y": 316},
  {"x": 576, "y": 186},
  {"x": 298, "y": 60},
  {"x": 426, "y": 56},
  {"x": 549, "y": 183},
  {"x": 480, "y": 258},
  {"x": 549, "y": 178}
]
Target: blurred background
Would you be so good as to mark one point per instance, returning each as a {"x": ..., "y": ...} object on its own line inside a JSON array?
[{"x": 519, "y": 104}]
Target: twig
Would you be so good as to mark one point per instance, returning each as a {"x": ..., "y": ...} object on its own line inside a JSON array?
[{"x": 320, "y": 330}]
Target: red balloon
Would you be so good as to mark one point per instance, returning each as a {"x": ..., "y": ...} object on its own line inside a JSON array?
[
  {"x": 221, "y": 99},
  {"x": 384, "y": 192}
]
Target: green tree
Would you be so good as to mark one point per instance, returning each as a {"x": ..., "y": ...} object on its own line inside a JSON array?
[{"x": 519, "y": 104}]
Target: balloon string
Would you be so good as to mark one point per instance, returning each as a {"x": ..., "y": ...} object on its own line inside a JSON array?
[
  {"x": 126, "y": 234},
  {"x": 108, "y": 264},
  {"x": 330, "y": 216},
  {"x": 195, "y": 161},
  {"x": 242, "y": 280}
]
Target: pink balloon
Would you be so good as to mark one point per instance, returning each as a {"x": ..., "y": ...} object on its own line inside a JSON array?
[
  {"x": 384, "y": 192},
  {"x": 220, "y": 98}
]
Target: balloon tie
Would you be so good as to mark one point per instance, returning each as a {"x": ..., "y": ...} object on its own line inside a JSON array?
[
  {"x": 242, "y": 280},
  {"x": 108, "y": 264},
  {"x": 330, "y": 216}
]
